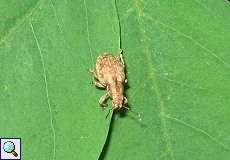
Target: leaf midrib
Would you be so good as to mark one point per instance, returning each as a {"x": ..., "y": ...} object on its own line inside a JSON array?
[{"x": 161, "y": 106}]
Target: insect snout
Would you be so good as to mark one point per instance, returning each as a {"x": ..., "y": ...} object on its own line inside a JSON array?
[
  {"x": 119, "y": 102},
  {"x": 117, "y": 106}
]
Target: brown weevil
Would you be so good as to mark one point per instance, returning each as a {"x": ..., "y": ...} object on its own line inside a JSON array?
[{"x": 109, "y": 74}]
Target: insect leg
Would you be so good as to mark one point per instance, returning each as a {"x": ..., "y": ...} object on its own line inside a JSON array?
[
  {"x": 103, "y": 99},
  {"x": 122, "y": 59},
  {"x": 93, "y": 72},
  {"x": 98, "y": 84},
  {"x": 125, "y": 100},
  {"x": 121, "y": 51}
]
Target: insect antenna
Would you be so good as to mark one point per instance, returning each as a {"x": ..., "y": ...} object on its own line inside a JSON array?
[
  {"x": 136, "y": 113},
  {"x": 110, "y": 110}
]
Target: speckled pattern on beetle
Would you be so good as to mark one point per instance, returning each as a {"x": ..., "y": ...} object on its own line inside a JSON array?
[{"x": 110, "y": 74}]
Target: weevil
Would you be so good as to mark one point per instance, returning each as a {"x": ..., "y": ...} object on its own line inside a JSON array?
[{"x": 109, "y": 74}]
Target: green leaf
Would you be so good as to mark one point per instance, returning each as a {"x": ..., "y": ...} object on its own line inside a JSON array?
[
  {"x": 46, "y": 95},
  {"x": 178, "y": 67}
]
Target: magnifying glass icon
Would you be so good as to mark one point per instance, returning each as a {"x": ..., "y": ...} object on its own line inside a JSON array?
[{"x": 9, "y": 147}]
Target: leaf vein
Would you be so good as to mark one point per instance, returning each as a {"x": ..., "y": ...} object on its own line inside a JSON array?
[
  {"x": 197, "y": 43},
  {"x": 46, "y": 90},
  {"x": 183, "y": 84},
  {"x": 56, "y": 16},
  {"x": 87, "y": 29},
  {"x": 214, "y": 139}
]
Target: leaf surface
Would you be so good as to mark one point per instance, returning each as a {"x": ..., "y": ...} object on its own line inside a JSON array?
[
  {"x": 46, "y": 95},
  {"x": 178, "y": 67}
]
